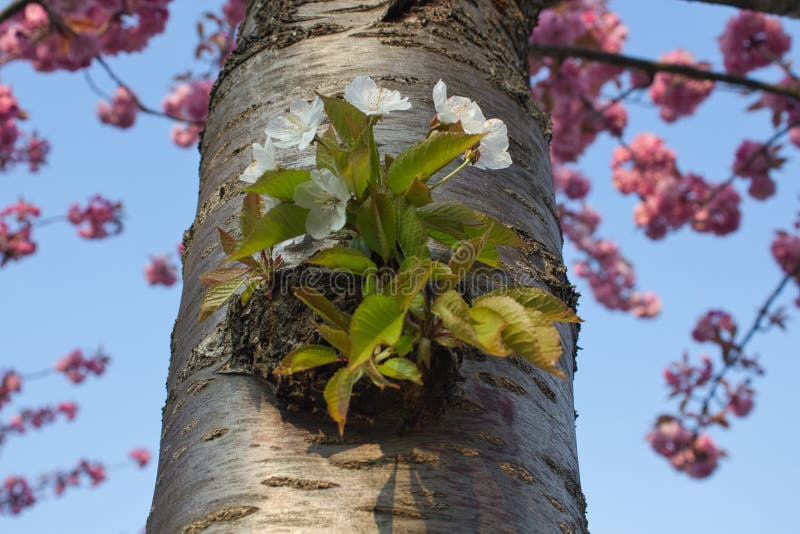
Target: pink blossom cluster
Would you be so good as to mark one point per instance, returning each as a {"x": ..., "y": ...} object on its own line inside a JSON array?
[
  {"x": 785, "y": 249},
  {"x": 570, "y": 91},
  {"x": 219, "y": 43},
  {"x": 610, "y": 276},
  {"x": 10, "y": 382},
  {"x": 696, "y": 455},
  {"x": 14, "y": 146},
  {"x": 678, "y": 96},
  {"x": 669, "y": 200},
  {"x": 784, "y": 110},
  {"x": 160, "y": 270},
  {"x": 683, "y": 378},
  {"x": 16, "y": 241},
  {"x": 754, "y": 161},
  {"x": 80, "y": 31},
  {"x": 100, "y": 218},
  {"x": 76, "y": 367},
  {"x": 188, "y": 103},
  {"x": 37, "y": 418},
  {"x": 16, "y": 494},
  {"x": 140, "y": 456},
  {"x": 93, "y": 472},
  {"x": 121, "y": 111},
  {"x": 752, "y": 40},
  {"x": 716, "y": 326}
]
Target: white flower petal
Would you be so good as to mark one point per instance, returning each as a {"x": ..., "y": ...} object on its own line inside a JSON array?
[
  {"x": 494, "y": 146},
  {"x": 285, "y": 133},
  {"x": 338, "y": 218},
  {"x": 358, "y": 92},
  {"x": 265, "y": 155},
  {"x": 318, "y": 224},
  {"x": 440, "y": 97},
  {"x": 307, "y": 194}
]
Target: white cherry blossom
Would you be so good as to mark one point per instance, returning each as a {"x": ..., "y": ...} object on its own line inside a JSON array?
[
  {"x": 494, "y": 146},
  {"x": 457, "y": 108},
  {"x": 365, "y": 94},
  {"x": 263, "y": 161},
  {"x": 299, "y": 127},
  {"x": 326, "y": 196}
]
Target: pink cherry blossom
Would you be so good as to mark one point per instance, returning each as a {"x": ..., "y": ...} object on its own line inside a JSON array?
[
  {"x": 678, "y": 96},
  {"x": 752, "y": 40},
  {"x": 161, "y": 270},
  {"x": 122, "y": 109},
  {"x": 140, "y": 456},
  {"x": 99, "y": 219}
]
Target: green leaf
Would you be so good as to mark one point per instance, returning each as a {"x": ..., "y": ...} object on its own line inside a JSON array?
[
  {"x": 377, "y": 320},
  {"x": 356, "y": 169},
  {"x": 463, "y": 258},
  {"x": 450, "y": 217},
  {"x": 377, "y": 223},
  {"x": 339, "y": 339},
  {"x": 411, "y": 234},
  {"x": 454, "y": 313},
  {"x": 218, "y": 276},
  {"x": 280, "y": 183},
  {"x": 217, "y": 295},
  {"x": 411, "y": 279},
  {"x": 251, "y": 212},
  {"x": 421, "y": 160},
  {"x": 337, "y": 394},
  {"x": 419, "y": 194},
  {"x": 404, "y": 345},
  {"x": 401, "y": 369},
  {"x": 282, "y": 222},
  {"x": 540, "y": 300},
  {"x": 306, "y": 357},
  {"x": 324, "y": 307},
  {"x": 532, "y": 340},
  {"x": 249, "y": 290},
  {"x": 344, "y": 259},
  {"x": 348, "y": 120},
  {"x": 500, "y": 234},
  {"x": 329, "y": 152},
  {"x": 377, "y": 378}
]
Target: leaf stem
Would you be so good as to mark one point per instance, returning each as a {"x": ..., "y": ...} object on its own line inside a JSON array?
[{"x": 467, "y": 160}]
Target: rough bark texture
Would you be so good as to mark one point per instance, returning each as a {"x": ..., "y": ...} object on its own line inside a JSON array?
[
  {"x": 502, "y": 457},
  {"x": 787, "y": 8}
]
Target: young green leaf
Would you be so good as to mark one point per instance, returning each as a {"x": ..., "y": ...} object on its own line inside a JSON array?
[
  {"x": 377, "y": 320},
  {"x": 249, "y": 289},
  {"x": 377, "y": 223},
  {"x": 345, "y": 259},
  {"x": 252, "y": 209},
  {"x": 540, "y": 300},
  {"x": 324, "y": 307},
  {"x": 280, "y": 183},
  {"x": 411, "y": 234},
  {"x": 304, "y": 358},
  {"x": 356, "y": 169},
  {"x": 421, "y": 160},
  {"x": 223, "y": 274},
  {"x": 284, "y": 221},
  {"x": 377, "y": 378},
  {"x": 401, "y": 369},
  {"x": 339, "y": 339},
  {"x": 347, "y": 119},
  {"x": 217, "y": 295},
  {"x": 450, "y": 217},
  {"x": 337, "y": 394},
  {"x": 532, "y": 341},
  {"x": 464, "y": 257}
]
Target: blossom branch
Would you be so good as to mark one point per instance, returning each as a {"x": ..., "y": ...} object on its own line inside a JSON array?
[{"x": 653, "y": 67}]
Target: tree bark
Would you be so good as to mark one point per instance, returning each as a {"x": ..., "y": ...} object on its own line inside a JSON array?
[{"x": 502, "y": 457}]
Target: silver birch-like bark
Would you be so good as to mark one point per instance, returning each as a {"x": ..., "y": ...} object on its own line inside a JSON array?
[{"x": 502, "y": 457}]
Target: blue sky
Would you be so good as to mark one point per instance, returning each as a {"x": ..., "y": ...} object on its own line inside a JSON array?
[{"x": 75, "y": 293}]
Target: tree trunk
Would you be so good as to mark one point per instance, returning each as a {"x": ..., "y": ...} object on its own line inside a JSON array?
[{"x": 502, "y": 457}]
